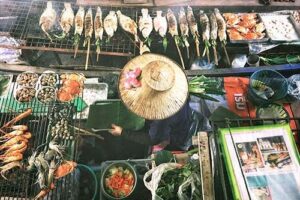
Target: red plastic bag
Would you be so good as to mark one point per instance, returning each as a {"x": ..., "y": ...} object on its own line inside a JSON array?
[{"x": 236, "y": 94}]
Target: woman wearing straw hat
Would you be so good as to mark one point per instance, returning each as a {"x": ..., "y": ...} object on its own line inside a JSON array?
[{"x": 156, "y": 88}]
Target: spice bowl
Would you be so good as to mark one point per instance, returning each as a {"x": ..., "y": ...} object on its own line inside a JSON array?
[
  {"x": 27, "y": 79},
  {"x": 46, "y": 94},
  {"x": 24, "y": 94},
  {"x": 48, "y": 78}
]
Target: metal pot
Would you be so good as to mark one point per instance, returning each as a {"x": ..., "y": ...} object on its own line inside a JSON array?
[{"x": 125, "y": 165}]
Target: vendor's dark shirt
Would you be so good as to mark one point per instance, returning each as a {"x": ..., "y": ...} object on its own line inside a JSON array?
[{"x": 174, "y": 129}]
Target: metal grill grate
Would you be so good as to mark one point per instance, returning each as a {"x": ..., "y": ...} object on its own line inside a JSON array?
[
  {"x": 13, "y": 17},
  {"x": 21, "y": 183},
  {"x": 120, "y": 44}
]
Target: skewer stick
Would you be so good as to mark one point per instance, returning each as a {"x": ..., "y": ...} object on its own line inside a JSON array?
[
  {"x": 76, "y": 49},
  {"x": 226, "y": 54},
  {"x": 98, "y": 52},
  {"x": 88, "y": 53},
  {"x": 179, "y": 53},
  {"x": 215, "y": 55},
  {"x": 187, "y": 52},
  {"x": 207, "y": 55},
  {"x": 197, "y": 46}
]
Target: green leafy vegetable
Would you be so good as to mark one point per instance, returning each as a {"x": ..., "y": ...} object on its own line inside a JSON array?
[
  {"x": 171, "y": 180},
  {"x": 281, "y": 59},
  {"x": 201, "y": 86},
  {"x": 165, "y": 43}
]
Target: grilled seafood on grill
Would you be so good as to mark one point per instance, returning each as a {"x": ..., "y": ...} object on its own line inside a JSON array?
[
  {"x": 57, "y": 148},
  {"x": 247, "y": 27},
  {"x": 66, "y": 20},
  {"x": 88, "y": 31},
  {"x": 64, "y": 169},
  {"x": 128, "y": 24},
  {"x": 110, "y": 24},
  {"x": 205, "y": 27},
  {"x": 214, "y": 35},
  {"x": 146, "y": 25},
  {"x": 184, "y": 29},
  {"x": 99, "y": 28},
  {"x": 222, "y": 32},
  {"x": 161, "y": 26},
  {"x": 5, "y": 168},
  {"x": 173, "y": 30},
  {"x": 193, "y": 28},
  {"x": 79, "y": 20},
  {"x": 47, "y": 19}
]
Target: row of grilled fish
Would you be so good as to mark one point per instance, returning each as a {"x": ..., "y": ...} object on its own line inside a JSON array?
[{"x": 212, "y": 27}]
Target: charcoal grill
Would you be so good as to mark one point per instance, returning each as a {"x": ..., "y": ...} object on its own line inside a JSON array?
[{"x": 20, "y": 183}]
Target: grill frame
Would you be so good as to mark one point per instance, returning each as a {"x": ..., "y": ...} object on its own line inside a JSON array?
[{"x": 21, "y": 183}]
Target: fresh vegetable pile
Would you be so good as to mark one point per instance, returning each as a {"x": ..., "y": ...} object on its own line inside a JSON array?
[
  {"x": 119, "y": 182},
  {"x": 280, "y": 59},
  {"x": 183, "y": 181},
  {"x": 201, "y": 86}
]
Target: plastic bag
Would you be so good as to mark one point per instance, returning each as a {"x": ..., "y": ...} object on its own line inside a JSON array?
[
  {"x": 191, "y": 181},
  {"x": 156, "y": 174},
  {"x": 10, "y": 56}
]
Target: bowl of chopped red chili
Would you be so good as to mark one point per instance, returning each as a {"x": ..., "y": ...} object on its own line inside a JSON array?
[{"x": 118, "y": 180}]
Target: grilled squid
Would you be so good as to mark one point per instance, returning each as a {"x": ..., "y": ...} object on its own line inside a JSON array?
[
  {"x": 47, "y": 19},
  {"x": 66, "y": 20},
  {"x": 161, "y": 26},
  {"x": 110, "y": 24},
  {"x": 146, "y": 25},
  {"x": 128, "y": 24}
]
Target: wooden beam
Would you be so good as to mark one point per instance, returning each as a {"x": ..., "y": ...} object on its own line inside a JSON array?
[{"x": 21, "y": 68}]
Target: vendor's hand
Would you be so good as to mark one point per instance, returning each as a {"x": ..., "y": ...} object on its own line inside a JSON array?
[{"x": 116, "y": 130}]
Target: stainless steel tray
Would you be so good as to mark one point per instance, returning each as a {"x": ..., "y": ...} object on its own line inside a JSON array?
[
  {"x": 266, "y": 17},
  {"x": 296, "y": 24}
]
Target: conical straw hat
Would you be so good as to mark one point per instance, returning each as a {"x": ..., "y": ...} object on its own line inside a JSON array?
[{"x": 164, "y": 87}]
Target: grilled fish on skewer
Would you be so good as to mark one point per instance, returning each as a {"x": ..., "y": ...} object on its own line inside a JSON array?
[
  {"x": 79, "y": 20},
  {"x": 128, "y": 24},
  {"x": 47, "y": 19},
  {"x": 88, "y": 31},
  {"x": 173, "y": 30},
  {"x": 110, "y": 24},
  {"x": 184, "y": 29},
  {"x": 145, "y": 23},
  {"x": 222, "y": 31},
  {"x": 205, "y": 27},
  {"x": 66, "y": 20},
  {"x": 214, "y": 35},
  {"x": 98, "y": 26},
  {"x": 161, "y": 26},
  {"x": 193, "y": 28},
  {"x": 172, "y": 23}
]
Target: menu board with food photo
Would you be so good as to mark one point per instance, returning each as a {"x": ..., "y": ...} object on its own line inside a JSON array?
[{"x": 262, "y": 162}]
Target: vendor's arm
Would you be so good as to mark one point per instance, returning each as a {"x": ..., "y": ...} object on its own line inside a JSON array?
[{"x": 140, "y": 137}]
